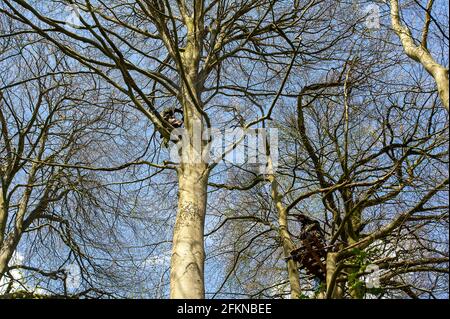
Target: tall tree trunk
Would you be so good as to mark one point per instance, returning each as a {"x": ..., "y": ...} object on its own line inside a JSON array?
[
  {"x": 9, "y": 242},
  {"x": 288, "y": 245},
  {"x": 6, "y": 251},
  {"x": 188, "y": 255},
  {"x": 334, "y": 288},
  {"x": 3, "y": 216}
]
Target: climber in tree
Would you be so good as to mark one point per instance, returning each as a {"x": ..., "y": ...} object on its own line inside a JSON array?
[{"x": 170, "y": 116}]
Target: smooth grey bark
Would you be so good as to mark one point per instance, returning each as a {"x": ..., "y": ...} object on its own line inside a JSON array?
[
  {"x": 334, "y": 289},
  {"x": 286, "y": 240},
  {"x": 188, "y": 255}
]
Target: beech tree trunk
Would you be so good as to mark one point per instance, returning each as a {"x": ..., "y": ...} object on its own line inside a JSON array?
[
  {"x": 288, "y": 246},
  {"x": 334, "y": 288},
  {"x": 188, "y": 254},
  {"x": 6, "y": 251},
  {"x": 286, "y": 240},
  {"x": 9, "y": 242}
]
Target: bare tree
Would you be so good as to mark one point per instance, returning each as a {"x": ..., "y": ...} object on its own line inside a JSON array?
[
  {"x": 52, "y": 118},
  {"x": 421, "y": 52},
  {"x": 372, "y": 173},
  {"x": 162, "y": 53},
  {"x": 363, "y": 153}
]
